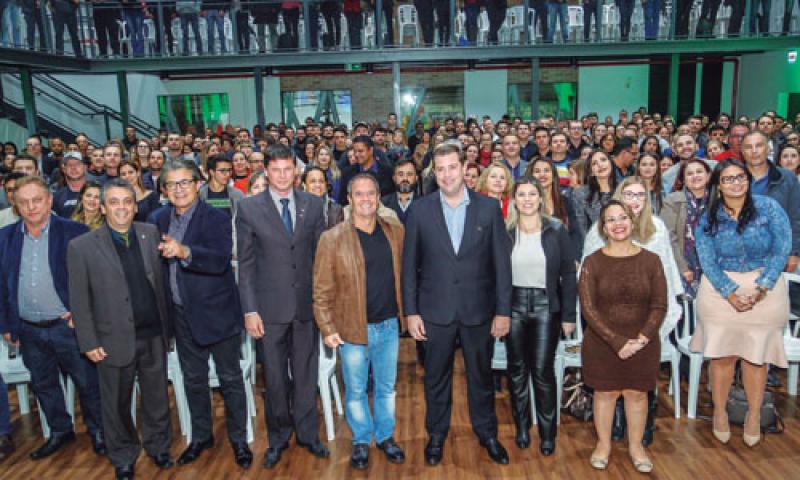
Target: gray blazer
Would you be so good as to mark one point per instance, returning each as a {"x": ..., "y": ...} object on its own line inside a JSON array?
[
  {"x": 674, "y": 212},
  {"x": 101, "y": 307},
  {"x": 276, "y": 270}
]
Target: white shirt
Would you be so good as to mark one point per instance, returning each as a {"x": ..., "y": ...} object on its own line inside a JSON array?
[{"x": 528, "y": 263}]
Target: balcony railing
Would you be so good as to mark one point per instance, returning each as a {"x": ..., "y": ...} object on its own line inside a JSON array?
[{"x": 197, "y": 28}]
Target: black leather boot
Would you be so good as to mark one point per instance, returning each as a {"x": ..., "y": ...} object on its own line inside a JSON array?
[{"x": 618, "y": 427}]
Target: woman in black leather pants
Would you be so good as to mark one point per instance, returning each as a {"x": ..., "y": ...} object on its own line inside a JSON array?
[{"x": 543, "y": 303}]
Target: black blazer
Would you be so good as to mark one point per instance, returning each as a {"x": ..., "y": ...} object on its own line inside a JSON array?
[
  {"x": 207, "y": 283},
  {"x": 560, "y": 278},
  {"x": 276, "y": 270},
  {"x": 470, "y": 286},
  {"x": 101, "y": 307}
]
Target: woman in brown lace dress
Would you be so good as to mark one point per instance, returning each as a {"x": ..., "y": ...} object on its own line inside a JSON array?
[{"x": 623, "y": 294}]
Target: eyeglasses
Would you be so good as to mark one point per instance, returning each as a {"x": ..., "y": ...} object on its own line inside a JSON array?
[
  {"x": 731, "y": 179},
  {"x": 224, "y": 170},
  {"x": 183, "y": 184},
  {"x": 628, "y": 195},
  {"x": 619, "y": 219}
]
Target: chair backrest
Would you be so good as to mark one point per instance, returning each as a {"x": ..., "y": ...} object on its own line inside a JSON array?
[
  {"x": 575, "y": 16},
  {"x": 578, "y": 322},
  {"x": 407, "y": 14},
  {"x": 689, "y": 316},
  {"x": 790, "y": 278}
]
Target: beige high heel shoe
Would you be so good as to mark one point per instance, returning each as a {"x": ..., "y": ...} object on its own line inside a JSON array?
[
  {"x": 642, "y": 466},
  {"x": 751, "y": 440},
  {"x": 723, "y": 437}
]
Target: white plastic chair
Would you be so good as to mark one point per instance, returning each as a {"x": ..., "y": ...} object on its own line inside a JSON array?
[
  {"x": 483, "y": 28},
  {"x": 368, "y": 32},
  {"x": 671, "y": 354},
  {"x": 15, "y": 373},
  {"x": 407, "y": 19},
  {"x": 328, "y": 386},
  {"x": 723, "y": 17},
  {"x": 575, "y": 20},
  {"x": 500, "y": 362},
  {"x": 515, "y": 23},
  {"x": 566, "y": 359},
  {"x": 245, "y": 363},
  {"x": 637, "y": 22},
  {"x": 791, "y": 343},
  {"x": 695, "y": 358},
  {"x": 610, "y": 21}
]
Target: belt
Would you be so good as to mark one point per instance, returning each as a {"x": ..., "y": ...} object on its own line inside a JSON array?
[{"x": 44, "y": 323}]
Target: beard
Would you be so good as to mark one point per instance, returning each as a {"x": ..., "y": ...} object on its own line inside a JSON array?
[{"x": 406, "y": 187}]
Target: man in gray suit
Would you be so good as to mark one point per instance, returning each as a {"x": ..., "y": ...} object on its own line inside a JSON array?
[
  {"x": 277, "y": 233},
  {"x": 120, "y": 312}
]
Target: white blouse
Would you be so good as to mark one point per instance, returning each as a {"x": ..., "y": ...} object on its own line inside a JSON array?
[{"x": 528, "y": 263}]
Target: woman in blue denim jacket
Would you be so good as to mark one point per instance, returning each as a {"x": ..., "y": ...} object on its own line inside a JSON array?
[{"x": 743, "y": 242}]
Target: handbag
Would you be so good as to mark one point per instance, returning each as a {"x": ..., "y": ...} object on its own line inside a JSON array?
[
  {"x": 771, "y": 420},
  {"x": 579, "y": 400}
]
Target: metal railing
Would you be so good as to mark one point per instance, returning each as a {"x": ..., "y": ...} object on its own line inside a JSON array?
[{"x": 268, "y": 26}]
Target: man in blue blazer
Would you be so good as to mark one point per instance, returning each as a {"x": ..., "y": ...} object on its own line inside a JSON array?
[
  {"x": 35, "y": 313},
  {"x": 457, "y": 284},
  {"x": 204, "y": 304}
]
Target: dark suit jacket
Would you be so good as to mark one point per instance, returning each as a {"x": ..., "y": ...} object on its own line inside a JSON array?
[
  {"x": 62, "y": 231},
  {"x": 391, "y": 201},
  {"x": 470, "y": 286},
  {"x": 101, "y": 307},
  {"x": 276, "y": 270},
  {"x": 207, "y": 283}
]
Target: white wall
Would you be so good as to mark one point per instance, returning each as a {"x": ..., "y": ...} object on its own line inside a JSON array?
[
  {"x": 608, "y": 89},
  {"x": 241, "y": 95},
  {"x": 763, "y": 78},
  {"x": 485, "y": 93}
]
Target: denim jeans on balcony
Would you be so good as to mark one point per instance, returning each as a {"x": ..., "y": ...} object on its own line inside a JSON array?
[
  {"x": 135, "y": 23},
  {"x": 193, "y": 20},
  {"x": 652, "y": 17},
  {"x": 557, "y": 11},
  {"x": 380, "y": 353},
  {"x": 216, "y": 21}
]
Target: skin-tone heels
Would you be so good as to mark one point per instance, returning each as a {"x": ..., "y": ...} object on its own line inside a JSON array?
[
  {"x": 724, "y": 436},
  {"x": 597, "y": 462},
  {"x": 751, "y": 440}
]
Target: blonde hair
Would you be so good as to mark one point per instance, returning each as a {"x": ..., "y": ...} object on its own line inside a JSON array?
[
  {"x": 643, "y": 226},
  {"x": 513, "y": 214},
  {"x": 332, "y": 166},
  {"x": 484, "y": 179}
]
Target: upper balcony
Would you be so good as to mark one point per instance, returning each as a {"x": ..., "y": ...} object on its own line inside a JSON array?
[{"x": 102, "y": 36}]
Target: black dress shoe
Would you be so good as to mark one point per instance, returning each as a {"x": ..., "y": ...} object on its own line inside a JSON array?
[
  {"x": 273, "y": 456},
  {"x": 496, "y": 451},
  {"x": 194, "y": 450},
  {"x": 243, "y": 455},
  {"x": 360, "y": 457},
  {"x": 434, "y": 451},
  {"x": 52, "y": 445},
  {"x": 6, "y": 446},
  {"x": 124, "y": 472},
  {"x": 162, "y": 460},
  {"x": 316, "y": 448},
  {"x": 523, "y": 438},
  {"x": 392, "y": 451},
  {"x": 547, "y": 447},
  {"x": 99, "y": 443}
]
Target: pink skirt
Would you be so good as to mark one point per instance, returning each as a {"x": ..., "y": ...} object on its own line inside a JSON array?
[{"x": 755, "y": 335}]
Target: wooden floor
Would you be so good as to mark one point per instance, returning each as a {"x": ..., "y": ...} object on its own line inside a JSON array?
[{"x": 683, "y": 449}]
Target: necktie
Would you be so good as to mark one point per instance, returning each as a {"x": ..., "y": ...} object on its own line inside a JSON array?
[
  {"x": 286, "y": 216},
  {"x": 125, "y": 240}
]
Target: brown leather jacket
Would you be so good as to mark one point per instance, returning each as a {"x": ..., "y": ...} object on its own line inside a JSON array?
[{"x": 340, "y": 284}]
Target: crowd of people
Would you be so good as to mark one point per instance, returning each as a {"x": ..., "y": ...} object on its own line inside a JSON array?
[
  {"x": 274, "y": 25},
  {"x": 463, "y": 233}
]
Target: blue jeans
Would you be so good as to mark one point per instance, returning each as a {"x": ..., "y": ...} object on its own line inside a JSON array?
[
  {"x": 757, "y": 19},
  {"x": 652, "y": 14},
  {"x": 215, "y": 20},
  {"x": 557, "y": 11},
  {"x": 5, "y": 414},
  {"x": 380, "y": 353},
  {"x": 135, "y": 23},
  {"x": 193, "y": 20},
  {"x": 12, "y": 15},
  {"x": 46, "y": 352}
]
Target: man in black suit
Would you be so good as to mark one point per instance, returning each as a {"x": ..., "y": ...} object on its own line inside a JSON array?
[
  {"x": 277, "y": 234},
  {"x": 457, "y": 284},
  {"x": 367, "y": 161},
  {"x": 204, "y": 305},
  {"x": 119, "y": 306},
  {"x": 405, "y": 183}
]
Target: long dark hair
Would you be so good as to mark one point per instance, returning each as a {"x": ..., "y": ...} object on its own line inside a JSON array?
[
  {"x": 748, "y": 212},
  {"x": 591, "y": 180},
  {"x": 558, "y": 201}
]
